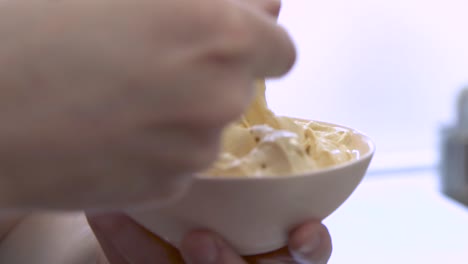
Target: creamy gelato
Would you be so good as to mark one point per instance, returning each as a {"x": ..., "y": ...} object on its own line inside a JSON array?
[{"x": 263, "y": 144}]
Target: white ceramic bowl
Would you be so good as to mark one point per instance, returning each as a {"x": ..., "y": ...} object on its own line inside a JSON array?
[{"x": 255, "y": 214}]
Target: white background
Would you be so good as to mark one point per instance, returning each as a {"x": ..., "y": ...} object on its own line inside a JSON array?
[
  {"x": 399, "y": 220},
  {"x": 391, "y": 69}
]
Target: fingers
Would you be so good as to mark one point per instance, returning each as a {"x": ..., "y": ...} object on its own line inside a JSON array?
[
  {"x": 203, "y": 247},
  {"x": 308, "y": 244},
  {"x": 272, "y": 52},
  {"x": 125, "y": 242},
  {"x": 311, "y": 243},
  {"x": 249, "y": 36}
]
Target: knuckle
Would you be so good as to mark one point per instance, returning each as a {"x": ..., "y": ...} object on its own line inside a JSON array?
[
  {"x": 234, "y": 33},
  {"x": 238, "y": 30},
  {"x": 239, "y": 36}
]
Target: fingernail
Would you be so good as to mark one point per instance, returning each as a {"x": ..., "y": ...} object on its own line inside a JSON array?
[
  {"x": 200, "y": 249},
  {"x": 309, "y": 247}
]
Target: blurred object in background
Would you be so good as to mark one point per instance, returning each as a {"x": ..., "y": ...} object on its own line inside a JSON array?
[{"x": 454, "y": 154}]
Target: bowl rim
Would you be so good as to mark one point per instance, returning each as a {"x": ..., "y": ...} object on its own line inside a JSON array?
[{"x": 366, "y": 156}]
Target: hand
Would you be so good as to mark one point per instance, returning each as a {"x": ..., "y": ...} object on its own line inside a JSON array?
[
  {"x": 123, "y": 242},
  {"x": 112, "y": 103}
]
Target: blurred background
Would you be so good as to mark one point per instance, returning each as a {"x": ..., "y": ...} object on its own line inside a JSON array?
[{"x": 392, "y": 69}]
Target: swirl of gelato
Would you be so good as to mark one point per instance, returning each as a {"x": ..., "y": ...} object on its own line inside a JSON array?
[{"x": 262, "y": 144}]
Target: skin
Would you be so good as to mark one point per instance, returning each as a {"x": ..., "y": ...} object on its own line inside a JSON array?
[
  {"x": 51, "y": 238},
  {"x": 125, "y": 242},
  {"x": 128, "y": 142},
  {"x": 119, "y": 109}
]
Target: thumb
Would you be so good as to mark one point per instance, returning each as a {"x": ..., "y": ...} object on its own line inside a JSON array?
[{"x": 311, "y": 243}]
